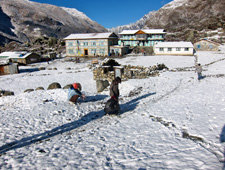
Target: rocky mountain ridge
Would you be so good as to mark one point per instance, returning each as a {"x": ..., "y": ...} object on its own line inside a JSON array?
[
  {"x": 189, "y": 18},
  {"x": 23, "y": 20},
  {"x": 140, "y": 24}
]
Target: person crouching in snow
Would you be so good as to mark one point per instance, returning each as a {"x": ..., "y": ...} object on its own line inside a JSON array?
[{"x": 74, "y": 93}]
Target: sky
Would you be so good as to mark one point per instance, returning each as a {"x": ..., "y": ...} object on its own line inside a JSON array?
[{"x": 111, "y": 13}]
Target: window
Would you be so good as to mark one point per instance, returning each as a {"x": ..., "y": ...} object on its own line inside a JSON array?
[
  {"x": 85, "y": 43},
  {"x": 69, "y": 44},
  {"x": 186, "y": 49},
  {"x": 161, "y": 49},
  {"x": 102, "y": 51},
  {"x": 71, "y": 51},
  {"x": 198, "y": 46},
  {"x": 102, "y": 43},
  {"x": 169, "y": 49},
  {"x": 210, "y": 46},
  {"x": 178, "y": 49},
  {"x": 93, "y": 51},
  {"x": 93, "y": 43}
]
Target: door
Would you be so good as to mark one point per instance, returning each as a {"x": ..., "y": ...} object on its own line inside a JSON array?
[{"x": 85, "y": 51}]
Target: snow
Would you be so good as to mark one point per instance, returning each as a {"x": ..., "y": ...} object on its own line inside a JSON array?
[
  {"x": 172, "y": 121},
  {"x": 89, "y": 36},
  {"x": 147, "y": 31},
  {"x": 76, "y": 13},
  {"x": 174, "y": 4}
]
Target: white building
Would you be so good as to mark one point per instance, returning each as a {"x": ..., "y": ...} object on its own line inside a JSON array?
[
  {"x": 174, "y": 48},
  {"x": 90, "y": 44}
]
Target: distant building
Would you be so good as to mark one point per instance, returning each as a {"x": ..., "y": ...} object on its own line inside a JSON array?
[
  {"x": 145, "y": 37},
  {"x": 21, "y": 57},
  {"x": 174, "y": 48},
  {"x": 206, "y": 45},
  {"x": 117, "y": 50},
  {"x": 7, "y": 67},
  {"x": 90, "y": 44}
]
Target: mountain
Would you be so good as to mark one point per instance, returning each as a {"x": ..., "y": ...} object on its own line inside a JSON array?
[
  {"x": 22, "y": 20},
  {"x": 186, "y": 15},
  {"x": 140, "y": 24}
]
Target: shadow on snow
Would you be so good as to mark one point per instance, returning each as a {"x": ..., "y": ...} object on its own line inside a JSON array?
[
  {"x": 129, "y": 106},
  {"x": 222, "y": 139}
]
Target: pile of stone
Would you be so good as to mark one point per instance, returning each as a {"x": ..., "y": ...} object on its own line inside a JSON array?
[
  {"x": 105, "y": 72},
  {"x": 128, "y": 72}
]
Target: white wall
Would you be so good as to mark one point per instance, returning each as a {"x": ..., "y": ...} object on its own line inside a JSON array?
[{"x": 174, "y": 51}]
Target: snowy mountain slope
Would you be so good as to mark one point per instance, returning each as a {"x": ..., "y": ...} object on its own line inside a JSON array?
[
  {"x": 184, "y": 15},
  {"x": 140, "y": 24},
  {"x": 27, "y": 19},
  {"x": 172, "y": 121}
]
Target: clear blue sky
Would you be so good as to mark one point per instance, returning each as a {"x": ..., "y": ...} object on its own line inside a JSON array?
[{"x": 111, "y": 13}]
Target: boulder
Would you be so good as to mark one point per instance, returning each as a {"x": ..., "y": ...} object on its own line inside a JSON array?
[
  {"x": 101, "y": 85},
  {"x": 28, "y": 90},
  {"x": 39, "y": 88},
  {"x": 6, "y": 93},
  {"x": 67, "y": 86},
  {"x": 54, "y": 85}
]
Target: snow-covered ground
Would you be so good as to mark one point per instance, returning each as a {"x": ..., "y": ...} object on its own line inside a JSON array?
[{"x": 171, "y": 122}]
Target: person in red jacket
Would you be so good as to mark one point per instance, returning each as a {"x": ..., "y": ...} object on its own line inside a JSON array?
[{"x": 75, "y": 92}]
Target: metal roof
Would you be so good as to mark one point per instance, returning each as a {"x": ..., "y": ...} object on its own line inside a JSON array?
[
  {"x": 89, "y": 36},
  {"x": 17, "y": 54},
  {"x": 147, "y": 31}
]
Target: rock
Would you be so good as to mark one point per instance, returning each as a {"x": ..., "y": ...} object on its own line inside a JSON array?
[
  {"x": 39, "y": 88},
  {"x": 67, "y": 86},
  {"x": 6, "y": 93},
  {"x": 42, "y": 68},
  {"x": 54, "y": 85},
  {"x": 101, "y": 85},
  {"x": 28, "y": 90}
]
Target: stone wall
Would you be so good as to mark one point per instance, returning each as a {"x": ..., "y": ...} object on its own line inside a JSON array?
[{"x": 128, "y": 72}]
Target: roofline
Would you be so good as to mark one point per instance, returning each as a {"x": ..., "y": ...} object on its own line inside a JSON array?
[
  {"x": 88, "y": 38},
  {"x": 144, "y": 30},
  {"x": 208, "y": 41},
  {"x": 110, "y": 33}
]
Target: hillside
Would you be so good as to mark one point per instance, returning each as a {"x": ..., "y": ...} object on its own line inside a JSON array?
[
  {"x": 189, "y": 17},
  {"x": 22, "y": 20}
]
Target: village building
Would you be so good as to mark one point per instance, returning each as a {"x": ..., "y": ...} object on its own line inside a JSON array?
[
  {"x": 174, "y": 48},
  {"x": 117, "y": 50},
  {"x": 206, "y": 45},
  {"x": 143, "y": 38},
  {"x": 91, "y": 44},
  {"x": 7, "y": 67},
  {"x": 21, "y": 57}
]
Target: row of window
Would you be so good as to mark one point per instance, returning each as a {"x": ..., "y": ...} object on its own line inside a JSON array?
[
  {"x": 137, "y": 43},
  {"x": 93, "y": 51},
  {"x": 86, "y": 43},
  {"x": 177, "y": 49},
  {"x": 142, "y": 36}
]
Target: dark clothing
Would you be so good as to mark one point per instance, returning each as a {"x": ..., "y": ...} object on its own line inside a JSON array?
[
  {"x": 112, "y": 107},
  {"x": 114, "y": 89}
]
